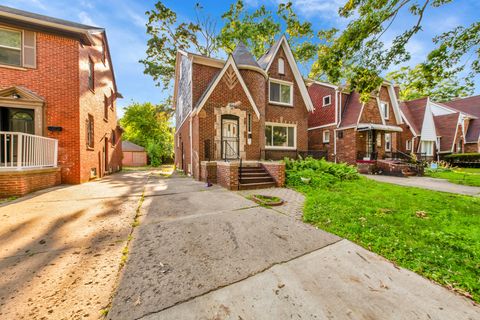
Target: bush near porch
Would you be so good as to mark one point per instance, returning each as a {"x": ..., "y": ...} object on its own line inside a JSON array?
[{"x": 432, "y": 233}]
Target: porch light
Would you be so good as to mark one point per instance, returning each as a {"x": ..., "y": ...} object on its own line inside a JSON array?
[{"x": 16, "y": 96}]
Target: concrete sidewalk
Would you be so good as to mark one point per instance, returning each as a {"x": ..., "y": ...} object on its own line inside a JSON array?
[
  {"x": 60, "y": 249},
  {"x": 208, "y": 253},
  {"x": 428, "y": 183}
]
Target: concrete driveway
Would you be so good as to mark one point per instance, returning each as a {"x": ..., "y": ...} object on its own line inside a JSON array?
[
  {"x": 60, "y": 249},
  {"x": 208, "y": 253}
]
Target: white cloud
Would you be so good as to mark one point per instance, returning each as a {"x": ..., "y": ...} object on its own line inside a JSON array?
[
  {"x": 85, "y": 19},
  {"x": 325, "y": 8}
]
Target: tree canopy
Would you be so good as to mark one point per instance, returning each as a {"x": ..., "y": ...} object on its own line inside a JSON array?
[{"x": 148, "y": 125}]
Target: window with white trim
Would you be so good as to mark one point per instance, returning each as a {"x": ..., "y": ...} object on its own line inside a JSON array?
[
  {"x": 11, "y": 47},
  {"x": 281, "y": 92},
  {"x": 326, "y": 136},
  {"x": 427, "y": 147},
  {"x": 327, "y": 100},
  {"x": 388, "y": 142},
  {"x": 281, "y": 66},
  {"x": 385, "y": 109},
  {"x": 409, "y": 145},
  {"x": 280, "y": 136}
]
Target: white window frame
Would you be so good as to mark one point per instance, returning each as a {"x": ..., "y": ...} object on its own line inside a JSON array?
[
  {"x": 285, "y": 125},
  {"x": 408, "y": 145},
  {"x": 285, "y": 83},
  {"x": 13, "y": 48},
  {"x": 385, "y": 112},
  {"x": 329, "y": 100},
  {"x": 325, "y": 133},
  {"x": 389, "y": 140},
  {"x": 281, "y": 66},
  {"x": 429, "y": 152}
]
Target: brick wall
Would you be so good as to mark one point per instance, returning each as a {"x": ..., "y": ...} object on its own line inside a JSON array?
[
  {"x": 19, "y": 183},
  {"x": 471, "y": 147},
  {"x": 297, "y": 114},
  {"x": 347, "y": 147},
  {"x": 315, "y": 141},
  {"x": 60, "y": 78},
  {"x": 227, "y": 175},
  {"x": 322, "y": 115},
  {"x": 277, "y": 171},
  {"x": 208, "y": 171}
]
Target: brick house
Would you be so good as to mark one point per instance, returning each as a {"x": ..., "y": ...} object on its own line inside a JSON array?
[
  {"x": 351, "y": 131},
  {"x": 239, "y": 108},
  {"x": 57, "y": 103},
  {"x": 437, "y": 129}
]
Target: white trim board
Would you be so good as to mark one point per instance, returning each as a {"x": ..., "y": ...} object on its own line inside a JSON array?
[
  {"x": 296, "y": 72},
  {"x": 230, "y": 62}
]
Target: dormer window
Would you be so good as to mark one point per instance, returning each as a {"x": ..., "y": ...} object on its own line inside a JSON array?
[
  {"x": 327, "y": 100},
  {"x": 281, "y": 66}
]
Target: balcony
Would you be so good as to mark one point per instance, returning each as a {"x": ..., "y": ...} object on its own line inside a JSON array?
[{"x": 22, "y": 151}]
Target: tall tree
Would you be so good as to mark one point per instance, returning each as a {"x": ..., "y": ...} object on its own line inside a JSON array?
[
  {"x": 167, "y": 35},
  {"x": 148, "y": 125},
  {"x": 420, "y": 82},
  {"x": 358, "y": 56}
]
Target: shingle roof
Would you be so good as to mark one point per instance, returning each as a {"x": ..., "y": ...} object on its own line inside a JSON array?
[
  {"x": 269, "y": 55},
  {"x": 446, "y": 127},
  {"x": 130, "y": 146},
  {"x": 242, "y": 56},
  {"x": 47, "y": 18},
  {"x": 351, "y": 111},
  {"x": 414, "y": 111},
  {"x": 471, "y": 106}
]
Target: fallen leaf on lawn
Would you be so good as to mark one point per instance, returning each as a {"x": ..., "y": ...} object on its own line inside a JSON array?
[{"x": 421, "y": 214}]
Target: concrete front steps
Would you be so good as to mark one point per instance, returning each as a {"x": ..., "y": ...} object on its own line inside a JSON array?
[{"x": 254, "y": 177}]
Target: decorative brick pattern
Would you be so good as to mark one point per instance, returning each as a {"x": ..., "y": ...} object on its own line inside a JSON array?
[
  {"x": 227, "y": 175},
  {"x": 19, "y": 183}
]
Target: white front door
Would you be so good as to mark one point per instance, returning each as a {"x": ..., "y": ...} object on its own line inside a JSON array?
[{"x": 230, "y": 138}]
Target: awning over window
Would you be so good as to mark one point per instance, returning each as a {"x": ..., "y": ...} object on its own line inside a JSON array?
[{"x": 375, "y": 126}]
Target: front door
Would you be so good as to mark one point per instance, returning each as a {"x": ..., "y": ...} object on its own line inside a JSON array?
[
  {"x": 230, "y": 135},
  {"x": 370, "y": 147},
  {"x": 14, "y": 120}
]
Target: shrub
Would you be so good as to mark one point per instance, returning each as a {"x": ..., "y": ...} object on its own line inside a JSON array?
[
  {"x": 464, "y": 159},
  {"x": 320, "y": 172}
]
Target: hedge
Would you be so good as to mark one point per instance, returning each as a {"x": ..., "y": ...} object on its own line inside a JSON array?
[{"x": 464, "y": 159}]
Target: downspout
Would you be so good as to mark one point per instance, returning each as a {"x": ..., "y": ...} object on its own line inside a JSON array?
[
  {"x": 335, "y": 145},
  {"x": 191, "y": 147}
]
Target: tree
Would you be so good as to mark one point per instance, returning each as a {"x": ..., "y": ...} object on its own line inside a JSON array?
[
  {"x": 258, "y": 29},
  {"x": 358, "y": 56},
  {"x": 418, "y": 82},
  {"x": 167, "y": 35},
  {"x": 148, "y": 125}
]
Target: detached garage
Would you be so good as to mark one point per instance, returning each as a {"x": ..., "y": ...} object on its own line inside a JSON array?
[{"x": 133, "y": 155}]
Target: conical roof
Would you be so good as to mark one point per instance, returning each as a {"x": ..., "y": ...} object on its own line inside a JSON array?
[{"x": 242, "y": 56}]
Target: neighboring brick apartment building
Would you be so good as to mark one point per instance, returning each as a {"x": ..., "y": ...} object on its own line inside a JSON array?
[
  {"x": 351, "y": 131},
  {"x": 438, "y": 129},
  {"x": 241, "y": 108},
  {"x": 57, "y": 88}
]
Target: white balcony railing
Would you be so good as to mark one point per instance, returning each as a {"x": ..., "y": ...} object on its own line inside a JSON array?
[{"x": 26, "y": 151}]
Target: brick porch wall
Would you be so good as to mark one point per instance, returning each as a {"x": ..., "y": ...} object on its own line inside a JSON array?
[
  {"x": 208, "y": 171},
  {"x": 277, "y": 171},
  {"x": 19, "y": 183},
  {"x": 227, "y": 175}
]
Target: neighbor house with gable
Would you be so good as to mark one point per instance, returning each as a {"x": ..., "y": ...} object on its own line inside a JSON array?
[
  {"x": 350, "y": 130},
  {"x": 233, "y": 114},
  {"x": 436, "y": 129}
]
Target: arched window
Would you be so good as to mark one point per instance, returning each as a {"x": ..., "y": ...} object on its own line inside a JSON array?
[{"x": 281, "y": 66}]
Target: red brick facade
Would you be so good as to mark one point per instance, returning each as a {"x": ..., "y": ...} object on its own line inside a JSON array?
[
  {"x": 19, "y": 183},
  {"x": 61, "y": 79}
]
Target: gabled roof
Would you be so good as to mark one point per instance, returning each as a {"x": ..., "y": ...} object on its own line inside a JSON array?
[
  {"x": 16, "y": 16},
  {"x": 242, "y": 56},
  {"x": 414, "y": 111},
  {"x": 470, "y": 106},
  {"x": 446, "y": 127},
  {"x": 266, "y": 61},
  {"x": 352, "y": 110},
  {"x": 130, "y": 146},
  {"x": 216, "y": 80}
]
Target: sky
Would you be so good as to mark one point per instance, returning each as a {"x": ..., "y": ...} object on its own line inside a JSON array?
[{"x": 124, "y": 21}]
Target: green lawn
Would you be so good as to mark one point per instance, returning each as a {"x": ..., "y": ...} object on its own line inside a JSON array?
[
  {"x": 434, "y": 234},
  {"x": 466, "y": 176}
]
